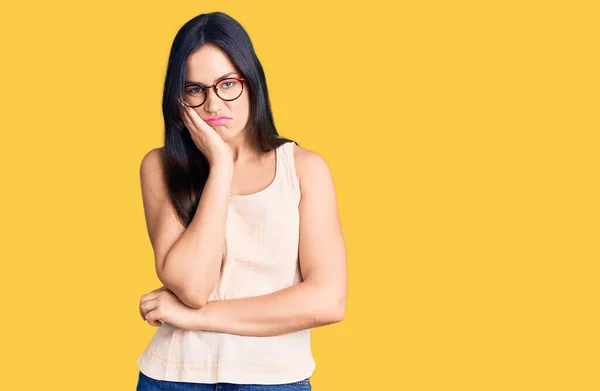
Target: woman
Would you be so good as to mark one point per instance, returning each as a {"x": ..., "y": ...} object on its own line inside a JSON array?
[{"x": 243, "y": 224}]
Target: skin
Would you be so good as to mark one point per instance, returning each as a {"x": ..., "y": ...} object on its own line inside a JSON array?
[
  {"x": 207, "y": 66},
  {"x": 318, "y": 300}
]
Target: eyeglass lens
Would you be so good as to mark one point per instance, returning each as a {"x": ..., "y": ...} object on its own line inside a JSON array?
[{"x": 227, "y": 89}]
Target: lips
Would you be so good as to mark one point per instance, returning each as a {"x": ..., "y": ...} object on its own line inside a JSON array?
[{"x": 217, "y": 120}]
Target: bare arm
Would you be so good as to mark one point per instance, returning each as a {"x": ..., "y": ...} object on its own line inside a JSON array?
[
  {"x": 187, "y": 260},
  {"x": 318, "y": 300}
]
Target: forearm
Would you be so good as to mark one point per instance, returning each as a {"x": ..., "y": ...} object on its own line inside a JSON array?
[
  {"x": 192, "y": 266},
  {"x": 301, "y": 306}
]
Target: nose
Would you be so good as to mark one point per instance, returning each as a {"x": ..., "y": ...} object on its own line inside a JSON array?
[{"x": 213, "y": 102}]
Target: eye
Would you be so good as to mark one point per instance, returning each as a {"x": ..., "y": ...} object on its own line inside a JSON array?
[
  {"x": 227, "y": 84},
  {"x": 196, "y": 90}
]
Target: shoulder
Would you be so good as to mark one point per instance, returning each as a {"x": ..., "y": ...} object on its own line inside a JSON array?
[
  {"x": 311, "y": 168},
  {"x": 152, "y": 160},
  {"x": 151, "y": 174}
]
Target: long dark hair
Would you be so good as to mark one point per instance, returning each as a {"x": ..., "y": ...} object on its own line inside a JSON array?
[{"x": 185, "y": 167}]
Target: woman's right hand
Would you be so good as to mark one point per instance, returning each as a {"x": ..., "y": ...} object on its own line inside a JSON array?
[{"x": 207, "y": 140}]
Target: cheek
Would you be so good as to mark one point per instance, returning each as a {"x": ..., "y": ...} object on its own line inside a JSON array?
[{"x": 243, "y": 109}]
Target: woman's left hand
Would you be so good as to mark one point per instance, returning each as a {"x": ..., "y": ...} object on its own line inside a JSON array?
[{"x": 162, "y": 305}]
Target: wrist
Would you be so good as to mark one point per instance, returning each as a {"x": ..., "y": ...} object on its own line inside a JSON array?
[
  {"x": 200, "y": 319},
  {"x": 223, "y": 169}
]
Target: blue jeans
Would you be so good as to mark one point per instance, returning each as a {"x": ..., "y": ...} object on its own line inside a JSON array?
[{"x": 146, "y": 383}]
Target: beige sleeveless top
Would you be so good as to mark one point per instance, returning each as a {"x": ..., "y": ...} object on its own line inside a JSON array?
[{"x": 261, "y": 257}]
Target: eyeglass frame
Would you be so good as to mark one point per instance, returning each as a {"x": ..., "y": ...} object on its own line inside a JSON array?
[{"x": 214, "y": 87}]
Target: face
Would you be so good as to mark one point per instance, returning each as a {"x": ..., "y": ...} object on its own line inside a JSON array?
[{"x": 205, "y": 67}]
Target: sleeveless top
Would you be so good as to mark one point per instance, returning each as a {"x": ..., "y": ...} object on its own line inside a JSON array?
[{"x": 260, "y": 257}]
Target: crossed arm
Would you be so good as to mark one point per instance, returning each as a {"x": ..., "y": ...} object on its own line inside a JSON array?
[{"x": 318, "y": 300}]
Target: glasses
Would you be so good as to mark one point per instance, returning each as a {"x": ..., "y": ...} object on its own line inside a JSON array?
[{"x": 226, "y": 89}]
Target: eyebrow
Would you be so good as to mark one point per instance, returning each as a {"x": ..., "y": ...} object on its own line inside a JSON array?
[{"x": 197, "y": 83}]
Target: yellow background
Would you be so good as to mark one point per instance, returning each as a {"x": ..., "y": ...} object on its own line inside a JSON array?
[{"x": 463, "y": 140}]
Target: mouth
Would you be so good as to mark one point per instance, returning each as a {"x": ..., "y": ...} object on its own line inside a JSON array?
[{"x": 217, "y": 120}]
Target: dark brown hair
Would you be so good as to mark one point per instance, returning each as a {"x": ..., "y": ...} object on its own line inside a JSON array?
[{"x": 185, "y": 167}]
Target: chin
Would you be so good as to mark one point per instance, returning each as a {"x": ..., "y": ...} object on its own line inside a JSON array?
[{"x": 228, "y": 134}]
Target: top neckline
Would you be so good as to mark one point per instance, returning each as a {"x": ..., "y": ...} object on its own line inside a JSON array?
[{"x": 270, "y": 185}]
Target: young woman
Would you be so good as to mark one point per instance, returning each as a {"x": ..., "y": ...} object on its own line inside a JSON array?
[{"x": 243, "y": 224}]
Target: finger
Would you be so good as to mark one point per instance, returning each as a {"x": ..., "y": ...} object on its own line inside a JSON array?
[
  {"x": 181, "y": 107},
  {"x": 147, "y": 302},
  {"x": 185, "y": 117},
  {"x": 201, "y": 134},
  {"x": 147, "y": 297},
  {"x": 151, "y": 295},
  {"x": 147, "y": 306},
  {"x": 192, "y": 126},
  {"x": 153, "y": 318},
  {"x": 197, "y": 121}
]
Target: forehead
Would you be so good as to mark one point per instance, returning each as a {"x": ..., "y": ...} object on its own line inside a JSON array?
[{"x": 207, "y": 64}]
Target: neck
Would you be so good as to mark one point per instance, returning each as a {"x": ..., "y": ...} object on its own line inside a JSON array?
[{"x": 242, "y": 149}]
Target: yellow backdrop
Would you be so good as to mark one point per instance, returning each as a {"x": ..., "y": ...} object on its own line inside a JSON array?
[{"x": 463, "y": 140}]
